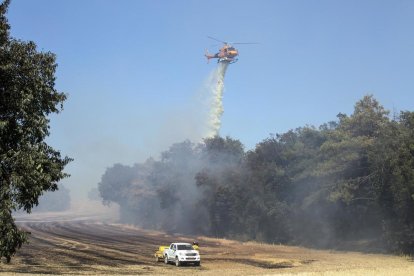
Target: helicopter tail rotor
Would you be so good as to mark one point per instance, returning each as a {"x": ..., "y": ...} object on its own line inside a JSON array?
[{"x": 208, "y": 56}]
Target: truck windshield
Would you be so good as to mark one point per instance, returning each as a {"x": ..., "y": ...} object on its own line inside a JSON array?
[{"x": 184, "y": 247}]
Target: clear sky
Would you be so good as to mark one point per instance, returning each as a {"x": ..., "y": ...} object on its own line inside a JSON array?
[{"x": 132, "y": 69}]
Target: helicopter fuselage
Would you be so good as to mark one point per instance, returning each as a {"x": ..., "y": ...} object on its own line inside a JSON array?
[{"x": 226, "y": 54}]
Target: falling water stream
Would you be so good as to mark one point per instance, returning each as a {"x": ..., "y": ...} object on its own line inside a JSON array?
[{"x": 216, "y": 87}]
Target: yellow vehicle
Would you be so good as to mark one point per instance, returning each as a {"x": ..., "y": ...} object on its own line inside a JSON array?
[
  {"x": 196, "y": 246},
  {"x": 159, "y": 255}
]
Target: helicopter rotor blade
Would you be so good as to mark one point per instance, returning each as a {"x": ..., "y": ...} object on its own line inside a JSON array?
[
  {"x": 245, "y": 43},
  {"x": 217, "y": 39}
]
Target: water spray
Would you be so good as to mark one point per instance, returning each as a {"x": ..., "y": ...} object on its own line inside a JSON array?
[{"x": 216, "y": 82}]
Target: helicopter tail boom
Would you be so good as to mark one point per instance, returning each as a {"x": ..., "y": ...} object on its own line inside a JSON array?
[{"x": 208, "y": 56}]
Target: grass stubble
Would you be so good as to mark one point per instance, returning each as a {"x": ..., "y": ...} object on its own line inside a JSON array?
[{"x": 75, "y": 244}]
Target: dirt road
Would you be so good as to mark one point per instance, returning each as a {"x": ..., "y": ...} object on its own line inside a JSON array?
[{"x": 76, "y": 245}]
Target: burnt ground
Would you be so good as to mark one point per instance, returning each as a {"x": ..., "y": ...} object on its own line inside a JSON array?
[{"x": 62, "y": 244}]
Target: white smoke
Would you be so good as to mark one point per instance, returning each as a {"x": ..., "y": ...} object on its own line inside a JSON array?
[{"x": 215, "y": 87}]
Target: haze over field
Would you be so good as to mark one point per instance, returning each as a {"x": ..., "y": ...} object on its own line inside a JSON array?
[
  {"x": 134, "y": 69},
  {"x": 79, "y": 245}
]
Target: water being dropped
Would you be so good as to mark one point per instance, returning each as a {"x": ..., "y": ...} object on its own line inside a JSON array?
[{"x": 216, "y": 88}]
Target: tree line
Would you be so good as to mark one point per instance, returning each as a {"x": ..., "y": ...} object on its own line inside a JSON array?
[{"x": 350, "y": 181}]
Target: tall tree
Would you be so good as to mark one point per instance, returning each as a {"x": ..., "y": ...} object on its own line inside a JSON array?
[
  {"x": 393, "y": 163},
  {"x": 28, "y": 165},
  {"x": 345, "y": 169}
]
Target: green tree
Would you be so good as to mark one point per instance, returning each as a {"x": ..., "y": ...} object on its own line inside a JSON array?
[
  {"x": 393, "y": 163},
  {"x": 346, "y": 173},
  {"x": 218, "y": 182},
  {"x": 28, "y": 166}
]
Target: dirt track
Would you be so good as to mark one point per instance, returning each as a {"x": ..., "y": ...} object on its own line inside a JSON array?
[{"x": 82, "y": 245}]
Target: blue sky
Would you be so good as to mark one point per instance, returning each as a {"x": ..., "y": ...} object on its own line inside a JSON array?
[{"x": 132, "y": 68}]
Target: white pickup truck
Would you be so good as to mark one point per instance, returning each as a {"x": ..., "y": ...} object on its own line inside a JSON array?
[{"x": 181, "y": 253}]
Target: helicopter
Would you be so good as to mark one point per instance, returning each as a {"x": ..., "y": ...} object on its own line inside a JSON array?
[{"x": 227, "y": 53}]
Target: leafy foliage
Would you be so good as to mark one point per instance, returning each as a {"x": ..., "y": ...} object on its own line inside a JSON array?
[{"x": 28, "y": 166}]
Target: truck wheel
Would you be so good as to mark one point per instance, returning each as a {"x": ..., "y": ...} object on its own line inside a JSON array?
[
  {"x": 197, "y": 263},
  {"x": 177, "y": 262},
  {"x": 166, "y": 259}
]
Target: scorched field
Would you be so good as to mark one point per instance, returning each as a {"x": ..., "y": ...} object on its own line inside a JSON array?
[{"x": 73, "y": 244}]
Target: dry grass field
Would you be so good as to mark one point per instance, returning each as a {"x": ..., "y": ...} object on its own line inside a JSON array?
[{"x": 71, "y": 244}]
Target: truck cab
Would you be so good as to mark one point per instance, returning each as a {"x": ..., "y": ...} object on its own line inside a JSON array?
[{"x": 181, "y": 253}]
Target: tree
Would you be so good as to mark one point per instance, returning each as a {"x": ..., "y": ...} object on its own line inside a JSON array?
[
  {"x": 345, "y": 170},
  {"x": 28, "y": 165},
  {"x": 393, "y": 161},
  {"x": 115, "y": 183}
]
